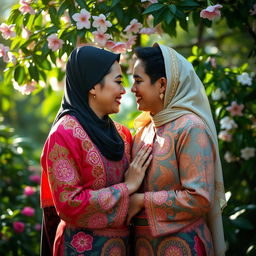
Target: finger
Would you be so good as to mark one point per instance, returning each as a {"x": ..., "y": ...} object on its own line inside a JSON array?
[
  {"x": 146, "y": 164},
  {"x": 144, "y": 157},
  {"x": 140, "y": 154}
]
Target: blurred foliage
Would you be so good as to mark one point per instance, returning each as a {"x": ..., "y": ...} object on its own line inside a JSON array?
[
  {"x": 228, "y": 41},
  {"x": 17, "y": 170}
]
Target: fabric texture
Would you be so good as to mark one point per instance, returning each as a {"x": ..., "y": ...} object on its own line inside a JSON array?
[
  {"x": 179, "y": 185},
  {"x": 86, "y": 67},
  {"x": 185, "y": 94},
  {"x": 86, "y": 189}
]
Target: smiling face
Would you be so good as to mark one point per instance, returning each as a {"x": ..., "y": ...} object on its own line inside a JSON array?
[
  {"x": 147, "y": 94},
  {"x": 105, "y": 97}
]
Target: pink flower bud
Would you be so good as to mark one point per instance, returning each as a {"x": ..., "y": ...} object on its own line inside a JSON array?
[
  {"x": 29, "y": 191},
  {"x": 18, "y": 226},
  {"x": 28, "y": 211}
]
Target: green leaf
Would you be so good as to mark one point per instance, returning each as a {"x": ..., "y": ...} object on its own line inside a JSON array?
[
  {"x": 168, "y": 18},
  {"x": 160, "y": 16},
  {"x": 33, "y": 72},
  {"x": 180, "y": 14},
  {"x": 54, "y": 16},
  {"x": 19, "y": 74},
  {"x": 115, "y": 2},
  {"x": 81, "y": 3},
  {"x": 172, "y": 8},
  {"x": 243, "y": 223},
  {"x": 153, "y": 8},
  {"x": 184, "y": 24},
  {"x": 188, "y": 3},
  {"x": 63, "y": 7}
]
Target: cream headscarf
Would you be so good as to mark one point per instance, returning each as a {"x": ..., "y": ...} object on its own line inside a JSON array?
[{"x": 186, "y": 94}]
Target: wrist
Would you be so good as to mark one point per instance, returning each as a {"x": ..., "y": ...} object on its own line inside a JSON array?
[{"x": 130, "y": 188}]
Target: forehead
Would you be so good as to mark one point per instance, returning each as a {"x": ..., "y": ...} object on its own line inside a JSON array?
[
  {"x": 115, "y": 68},
  {"x": 138, "y": 67}
]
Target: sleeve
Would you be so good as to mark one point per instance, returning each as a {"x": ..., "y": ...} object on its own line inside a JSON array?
[
  {"x": 69, "y": 177},
  {"x": 171, "y": 211}
]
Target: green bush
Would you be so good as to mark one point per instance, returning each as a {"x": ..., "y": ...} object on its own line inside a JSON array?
[{"x": 19, "y": 189}]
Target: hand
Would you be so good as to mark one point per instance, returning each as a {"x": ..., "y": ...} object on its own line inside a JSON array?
[
  {"x": 136, "y": 204},
  {"x": 137, "y": 168}
]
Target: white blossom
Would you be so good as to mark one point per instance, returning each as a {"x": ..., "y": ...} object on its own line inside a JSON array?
[
  {"x": 244, "y": 79},
  {"x": 218, "y": 94},
  {"x": 227, "y": 123},
  {"x": 247, "y": 153}
]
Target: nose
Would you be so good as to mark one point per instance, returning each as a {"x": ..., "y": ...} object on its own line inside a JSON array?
[
  {"x": 133, "y": 89},
  {"x": 123, "y": 91}
]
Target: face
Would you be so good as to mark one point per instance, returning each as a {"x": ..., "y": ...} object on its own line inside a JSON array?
[
  {"x": 146, "y": 93},
  {"x": 108, "y": 97}
]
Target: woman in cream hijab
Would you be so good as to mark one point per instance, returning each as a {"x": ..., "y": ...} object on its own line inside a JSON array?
[{"x": 178, "y": 208}]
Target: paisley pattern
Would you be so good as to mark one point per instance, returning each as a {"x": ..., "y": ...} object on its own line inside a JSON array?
[
  {"x": 84, "y": 193},
  {"x": 179, "y": 184}
]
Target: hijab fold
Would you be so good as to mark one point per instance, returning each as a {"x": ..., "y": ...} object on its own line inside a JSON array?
[
  {"x": 185, "y": 94},
  {"x": 86, "y": 67}
]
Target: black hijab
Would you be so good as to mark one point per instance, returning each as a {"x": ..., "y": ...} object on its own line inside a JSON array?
[{"x": 86, "y": 67}]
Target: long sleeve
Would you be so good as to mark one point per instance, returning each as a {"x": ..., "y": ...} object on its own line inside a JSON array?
[
  {"x": 71, "y": 170},
  {"x": 190, "y": 198}
]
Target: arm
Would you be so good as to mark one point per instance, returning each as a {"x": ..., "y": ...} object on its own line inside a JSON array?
[{"x": 170, "y": 211}]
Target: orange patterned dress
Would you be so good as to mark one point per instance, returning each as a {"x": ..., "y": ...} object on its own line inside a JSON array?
[
  {"x": 87, "y": 191},
  {"x": 178, "y": 189}
]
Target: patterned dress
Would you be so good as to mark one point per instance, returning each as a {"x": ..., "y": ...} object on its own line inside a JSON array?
[
  {"x": 86, "y": 190},
  {"x": 178, "y": 190}
]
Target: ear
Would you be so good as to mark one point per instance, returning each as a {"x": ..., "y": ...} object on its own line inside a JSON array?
[
  {"x": 162, "y": 83},
  {"x": 92, "y": 92}
]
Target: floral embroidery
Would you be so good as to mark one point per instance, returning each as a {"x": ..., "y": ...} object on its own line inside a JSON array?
[
  {"x": 82, "y": 242},
  {"x": 98, "y": 220},
  {"x": 114, "y": 247},
  {"x": 93, "y": 157},
  {"x": 79, "y": 133},
  {"x": 63, "y": 169},
  {"x": 174, "y": 246},
  {"x": 144, "y": 248},
  {"x": 106, "y": 200},
  {"x": 202, "y": 140},
  {"x": 69, "y": 194},
  {"x": 160, "y": 197},
  {"x": 87, "y": 145}
]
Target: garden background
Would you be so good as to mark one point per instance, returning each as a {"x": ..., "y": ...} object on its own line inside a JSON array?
[{"x": 35, "y": 41}]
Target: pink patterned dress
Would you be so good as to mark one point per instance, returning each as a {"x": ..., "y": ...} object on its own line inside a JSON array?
[
  {"x": 86, "y": 190},
  {"x": 178, "y": 190}
]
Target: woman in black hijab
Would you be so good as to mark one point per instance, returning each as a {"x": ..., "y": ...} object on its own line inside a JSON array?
[{"x": 86, "y": 175}]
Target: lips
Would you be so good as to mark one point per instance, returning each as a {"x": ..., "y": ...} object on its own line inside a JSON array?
[
  {"x": 138, "y": 98},
  {"x": 118, "y": 100}
]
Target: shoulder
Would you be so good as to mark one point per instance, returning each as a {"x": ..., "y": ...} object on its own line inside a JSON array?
[
  {"x": 68, "y": 127},
  {"x": 185, "y": 122}
]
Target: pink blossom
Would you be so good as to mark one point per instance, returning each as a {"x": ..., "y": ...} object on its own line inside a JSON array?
[
  {"x": 100, "y": 38},
  {"x": 101, "y": 23},
  {"x": 82, "y": 19},
  {"x": 54, "y": 43},
  {"x": 134, "y": 26},
  {"x": 131, "y": 42},
  {"x": 25, "y": 7},
  {"x": 147, "y": 31},
  {"x": 38, "y": 227},
  {"x": 213, "y": 62},
  {"x": 253, "y": 10},
  {"x": 4, "y": 52},
  {"x": 119, "y": 47},
  {"x": 28, "y": 211},
  {"x": 18, "y": 226},
  {"x": 25, "y": 89},
  {"x": 35, "y": 178},
  {"x": 82, "y": 242},
  {"x": 12, "y": 58},
  {"x": 7, "y": 31},
  {"x": 225, "y": 136},
  {"x": 25, "y": 33},
  {"x": 110, "y": 44},
  {"x": 29, "y": 191},
  {"x": 235, "y": 109},
  {"x": 211, "y": 12}
]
